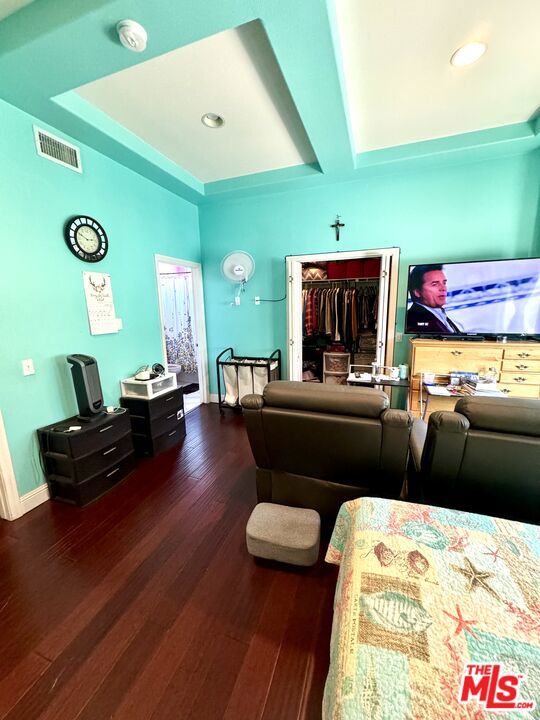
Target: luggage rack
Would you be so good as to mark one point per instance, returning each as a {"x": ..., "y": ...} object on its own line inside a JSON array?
[{"x": 233, "y": 385}]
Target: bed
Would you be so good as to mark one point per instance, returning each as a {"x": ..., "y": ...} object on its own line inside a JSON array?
[{"x": 422, "y": 592}]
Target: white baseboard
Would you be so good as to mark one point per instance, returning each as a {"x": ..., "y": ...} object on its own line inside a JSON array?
[
  {"x": 214, "y": 398},
  {"x": 35, "y": 497}
]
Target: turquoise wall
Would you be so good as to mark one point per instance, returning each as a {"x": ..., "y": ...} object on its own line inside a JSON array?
[
  {"x": 453, "y": 212},
  {"x": 42, "y": 305}
]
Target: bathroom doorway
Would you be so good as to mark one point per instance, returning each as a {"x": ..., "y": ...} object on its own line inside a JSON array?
[{"x": 182, "y": 327}]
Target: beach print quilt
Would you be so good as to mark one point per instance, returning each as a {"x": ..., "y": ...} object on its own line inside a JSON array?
[{"x": 436, "y": 615}]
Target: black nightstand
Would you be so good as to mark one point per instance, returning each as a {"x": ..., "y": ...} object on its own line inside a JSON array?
[
  {"x": 84, "y": 464},
  {"x": 157, "y": 423}
]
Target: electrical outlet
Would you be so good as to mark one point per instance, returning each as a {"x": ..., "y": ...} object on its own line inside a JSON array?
[
  {"x": 399, "y": 337},
  {"x": 28, "y": 367},
  {"x": 257, "y": 300}
]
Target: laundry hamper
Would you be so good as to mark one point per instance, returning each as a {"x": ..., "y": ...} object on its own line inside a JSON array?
[{"x": 240, "y": 375}]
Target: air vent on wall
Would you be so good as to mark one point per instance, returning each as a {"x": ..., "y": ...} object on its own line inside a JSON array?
[{"x": 58, "y": 150}]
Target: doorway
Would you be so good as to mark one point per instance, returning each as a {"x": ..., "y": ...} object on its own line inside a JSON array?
[
  {"x": 10, "y": 503},
  {"x": 370, "y": 276},
  {"x": 182, "y": 327}
]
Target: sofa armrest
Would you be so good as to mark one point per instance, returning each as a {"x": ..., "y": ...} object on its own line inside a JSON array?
[
  {"x": 443, "y": 454},
  {"x": 396, "y": 428},
  {"x": 252, "y": 409},
  {"x": 417, "y": 442},
  {"x": 397, "y": 418},
  {"x": 252, "y": 402}
]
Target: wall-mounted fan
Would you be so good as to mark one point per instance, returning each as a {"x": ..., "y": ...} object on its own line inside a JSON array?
[{"x": 238, "y": 267}]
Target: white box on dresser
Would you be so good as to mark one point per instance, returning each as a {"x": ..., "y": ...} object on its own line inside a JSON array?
[{"x": 148, "y": 389}]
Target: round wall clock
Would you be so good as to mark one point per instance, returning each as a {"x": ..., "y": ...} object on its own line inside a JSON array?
[{"x": 86, "y": 239}]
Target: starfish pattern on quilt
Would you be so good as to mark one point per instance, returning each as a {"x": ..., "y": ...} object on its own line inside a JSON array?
[
  {"x": 462, "y": 623},
  {"x": 494, "y": 554},
  {"x": 476, "y": 578}
]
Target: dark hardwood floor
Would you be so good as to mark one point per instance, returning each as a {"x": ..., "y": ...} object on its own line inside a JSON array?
[{"x": 147, "y": 606}]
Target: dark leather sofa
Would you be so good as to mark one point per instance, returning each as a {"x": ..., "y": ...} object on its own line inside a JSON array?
[
  {"x": 484, "y": 457},
  {"x": 318, "y": 445}
]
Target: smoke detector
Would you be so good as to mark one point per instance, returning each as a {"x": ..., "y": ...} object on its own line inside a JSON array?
[{"x": 132, "y": 35}]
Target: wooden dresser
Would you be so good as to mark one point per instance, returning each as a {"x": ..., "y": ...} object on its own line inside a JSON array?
[{"x": 517, "y": 365}]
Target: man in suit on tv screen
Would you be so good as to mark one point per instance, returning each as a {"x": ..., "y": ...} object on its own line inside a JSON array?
[{"x": 427, "y": 288}]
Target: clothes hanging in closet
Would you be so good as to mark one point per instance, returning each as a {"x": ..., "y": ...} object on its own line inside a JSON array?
[{"x": 339, "y": 313}]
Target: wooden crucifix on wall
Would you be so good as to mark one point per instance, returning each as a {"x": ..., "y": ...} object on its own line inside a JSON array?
[{"x": 337, "y": 225}]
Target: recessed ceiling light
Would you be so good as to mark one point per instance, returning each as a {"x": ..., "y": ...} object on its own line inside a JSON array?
[
  {"x": 212, "y": 120},
  {"x": 469, "y": 53}
]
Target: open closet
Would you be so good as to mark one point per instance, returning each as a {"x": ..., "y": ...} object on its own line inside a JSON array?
[
  {"x": 339, "y": 317},
  {"x": 341, "y": 311}
]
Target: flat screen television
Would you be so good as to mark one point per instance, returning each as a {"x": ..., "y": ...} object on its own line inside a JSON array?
[{"x": 485, "y": 297}]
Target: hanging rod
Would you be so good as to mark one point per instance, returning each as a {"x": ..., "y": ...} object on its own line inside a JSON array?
[{"x": 311, "y": 282}]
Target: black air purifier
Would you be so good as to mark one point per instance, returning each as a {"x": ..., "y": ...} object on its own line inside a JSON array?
[{"x": 84, "y": 371}]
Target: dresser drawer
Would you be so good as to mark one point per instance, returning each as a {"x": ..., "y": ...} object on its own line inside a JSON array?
[
  {"x": 165, "y": 404},
  {"x": 93, "y": 436},
  {"x": 444, "y": 359},
  {"x": 148, "y": 445},
  {"x": 522, "y": 353},
  {"x": 81, "y": 468},
  {"x": 147, "y": 426},
  {"x": 156, "y": 407},
  {"x": 520, "y": 390},
  {"x": 520, "y": 378},
  {"x": 93, "y": 487},
  {"x": 169, "y": 438},
  {"x": 521, "y": 365}
]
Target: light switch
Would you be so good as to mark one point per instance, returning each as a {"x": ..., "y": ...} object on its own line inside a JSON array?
[
  {"x": 28, "y": 367},
  {"x": 399, "y": 337}
]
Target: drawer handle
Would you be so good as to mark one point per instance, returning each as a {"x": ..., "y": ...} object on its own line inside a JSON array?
[
  {"x": 107, "y": 452},
  {"x": 456, "y": 352},
  {"x": 524, "y": 354},
  {"x": 520, "y": 379},
  {"x": 173, "y": 433},
  {"x": 506, "y": 391},
  {"x": 170, "y": 416},
  {"x": 521, "y": 367},
  {"x": 106, "y": 428},
  {"x": 112, "y": 472},
  {"x": 169, "y": 398}
]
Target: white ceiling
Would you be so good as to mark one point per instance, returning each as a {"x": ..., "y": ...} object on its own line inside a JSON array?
[
  {"x": 8, "y": 7},
  {"x": 401, "y": 87},
  {"x": 233, "y": 74}
]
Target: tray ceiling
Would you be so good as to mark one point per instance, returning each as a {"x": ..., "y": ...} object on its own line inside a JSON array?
[
  {"x": 311, "y": 91},
  {"x": 401, "y": 86},
  {"x": 233, "y": 74}
]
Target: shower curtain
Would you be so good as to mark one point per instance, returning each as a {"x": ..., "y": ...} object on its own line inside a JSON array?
[{"x": 177, "y": 301}]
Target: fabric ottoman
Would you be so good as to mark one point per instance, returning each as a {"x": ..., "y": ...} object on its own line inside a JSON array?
[{"x": 287, "y": 534}]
